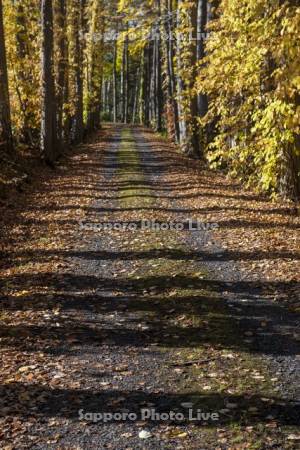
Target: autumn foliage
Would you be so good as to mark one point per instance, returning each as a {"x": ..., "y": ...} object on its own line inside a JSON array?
[{"x": 220, "y": 78}]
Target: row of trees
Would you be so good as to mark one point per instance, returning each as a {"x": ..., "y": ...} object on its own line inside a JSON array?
[
  {"x": 220, "y": 77},
  {"x": 51, "y": 73}
]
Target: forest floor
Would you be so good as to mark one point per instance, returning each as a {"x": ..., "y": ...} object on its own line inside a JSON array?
[{"x": 118, "y": 322}]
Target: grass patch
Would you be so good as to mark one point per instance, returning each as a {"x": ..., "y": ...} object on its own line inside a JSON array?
[{"x": 134, "y": 189}]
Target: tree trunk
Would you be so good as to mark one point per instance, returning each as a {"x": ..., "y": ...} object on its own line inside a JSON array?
[
  {"x": 136, "y": 94},
  {"x": 180, "y": 86},
  {"x": 48, "y": 123},
  {"x": 145, "y": 87},
  {"x": 290, "y": 178},
  {"x": 170, "y": 82},
  {"x": 23, "y": 78},
  {"x": 115, "y": 84},
  {"x": 187, "y": 101},
  {"x": 201, "y": 31},
  {"x": 77, "y": 126},
  {"x": 5, "y": 119},
  {"x": 193, "y": 125},
  {"x": 158, "y": 77},
  {"x": 152, "y": 83},
  {"x": 123, "y": 83},
  {"x": 126, "y": 106},
  {"x": 62, "y": 79},
  {"x": 94, "y": 77}
]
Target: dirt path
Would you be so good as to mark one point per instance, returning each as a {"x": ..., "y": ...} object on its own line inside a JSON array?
[{"x": 137, "y": 320}]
